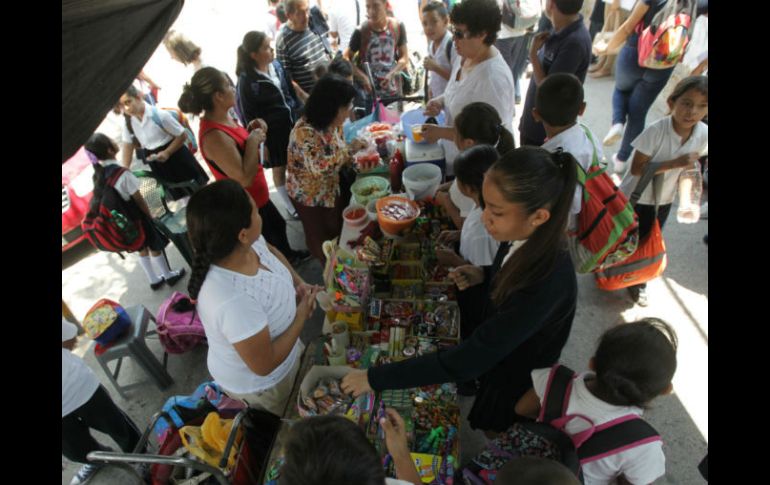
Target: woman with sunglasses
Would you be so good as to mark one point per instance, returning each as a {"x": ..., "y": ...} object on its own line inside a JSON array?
[
  {"x": 234, "y": 152},
  {"x": 482, "y": 76}
]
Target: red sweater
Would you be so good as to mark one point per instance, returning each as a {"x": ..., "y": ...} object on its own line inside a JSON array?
[{"x": 258, "y": 188}]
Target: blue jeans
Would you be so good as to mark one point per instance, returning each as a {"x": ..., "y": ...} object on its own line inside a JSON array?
[
  {"x": 635, "y": 90},
  {"x": 515, "y": 52}
]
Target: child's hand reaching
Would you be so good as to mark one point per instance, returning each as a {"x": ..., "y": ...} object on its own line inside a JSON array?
[{"x": 395, "y": 432}]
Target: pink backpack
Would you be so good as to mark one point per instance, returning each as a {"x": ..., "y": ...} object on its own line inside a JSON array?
[{"x": 179, "y": 330}]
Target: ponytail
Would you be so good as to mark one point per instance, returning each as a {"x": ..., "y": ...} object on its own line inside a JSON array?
[
  {"x": 197, "y": 95},
  {"x": 252, "y": 42},
  {"x": 98, "y": 147},
  {"x": 481, "y": 123},
  {"x": 537, "y": 179}
]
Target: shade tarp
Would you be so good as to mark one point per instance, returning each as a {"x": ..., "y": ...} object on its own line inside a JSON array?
[{"x": 105, "y": 43}]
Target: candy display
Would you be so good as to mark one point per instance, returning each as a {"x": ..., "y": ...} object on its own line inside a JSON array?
[{"x": 398, "y": 211}]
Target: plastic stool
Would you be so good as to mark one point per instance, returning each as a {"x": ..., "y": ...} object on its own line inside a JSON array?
[{"x": 132, "y": 344}]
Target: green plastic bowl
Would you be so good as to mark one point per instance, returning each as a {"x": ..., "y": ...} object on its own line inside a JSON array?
[{"x": 367, "y": 189}]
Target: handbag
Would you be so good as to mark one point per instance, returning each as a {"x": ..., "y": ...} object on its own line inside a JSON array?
[
  {"x": 649, "y": 260},
  {"x": 662, "y": 44}
]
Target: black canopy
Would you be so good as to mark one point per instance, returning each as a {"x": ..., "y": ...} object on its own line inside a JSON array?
[{"x": 105, "y": 43}]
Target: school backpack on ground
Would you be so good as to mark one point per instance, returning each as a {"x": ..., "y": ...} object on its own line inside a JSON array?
[
  {"x": 521, "y": 14},
  {"x": 662, "y": 44},
  {"x": 607, "y": 226},
  {"x": 179, "y": 331},
  {"x": 190, "y": 143},
  {"x": 546, "y": 438},
  {"x": 116, "y": 225}
]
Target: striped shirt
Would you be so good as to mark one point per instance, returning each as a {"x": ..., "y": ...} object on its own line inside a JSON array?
[{"x": 300, "y": 53}]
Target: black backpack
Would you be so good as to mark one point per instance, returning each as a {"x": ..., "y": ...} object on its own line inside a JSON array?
[{"x": 546, "y": 438}]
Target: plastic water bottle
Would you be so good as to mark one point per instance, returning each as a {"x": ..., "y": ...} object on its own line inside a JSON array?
[{"x": 690, "y": 188}]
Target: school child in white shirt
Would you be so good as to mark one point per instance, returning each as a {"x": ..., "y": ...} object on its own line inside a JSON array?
[
  {"x": 674, "y": 143},
  {"x": 441, "y": 49}
]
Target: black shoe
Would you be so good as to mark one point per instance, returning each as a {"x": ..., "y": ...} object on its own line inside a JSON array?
[
  {"x": 638, "y": 294},
  {"x": 298, "y": 257},
  {"x": 158, "y": 284},
  {"x": 176, "y": 276}
]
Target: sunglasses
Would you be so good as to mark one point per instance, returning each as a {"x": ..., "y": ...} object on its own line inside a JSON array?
[{"x": 459, "y": 34}]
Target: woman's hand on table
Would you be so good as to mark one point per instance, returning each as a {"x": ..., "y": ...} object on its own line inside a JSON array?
[
  {"x": 395, "y": 432},
  {"x": 467, "y": 276},
  {"x": 433, "y": 108},
  {"x": 356, "y": 382}
]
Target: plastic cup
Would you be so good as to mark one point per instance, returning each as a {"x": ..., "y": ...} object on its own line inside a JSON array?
[{"x": 417, "y": 133}]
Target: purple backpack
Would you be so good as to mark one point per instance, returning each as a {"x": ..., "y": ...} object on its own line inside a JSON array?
[
  {"x": 179, "y": 330},
  {"x": 547, "y": 438}
]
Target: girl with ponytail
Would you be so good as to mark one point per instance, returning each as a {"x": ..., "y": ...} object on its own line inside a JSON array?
[
  {"x": 251, "y": 302},
  {"x": 265, "y": 91},
  {"x": 530, "y": 292},
  {"x": 478, "y": 123},
  {"x": 102, "y": 151},
  {"x": 633, "y": 364}
]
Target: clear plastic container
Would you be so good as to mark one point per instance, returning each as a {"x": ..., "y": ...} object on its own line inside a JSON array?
[{"x": 690, "y": 188}]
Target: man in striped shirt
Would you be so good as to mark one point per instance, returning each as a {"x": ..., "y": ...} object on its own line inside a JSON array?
[{"x": 299, "y": 49}]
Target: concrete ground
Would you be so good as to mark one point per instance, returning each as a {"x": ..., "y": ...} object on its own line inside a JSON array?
[{"x": 680, "y": 297}]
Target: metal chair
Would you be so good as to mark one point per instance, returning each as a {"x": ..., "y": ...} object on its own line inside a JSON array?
[
  {"x": 132, "y": 344},
  {"x": 172, "y": 224}
]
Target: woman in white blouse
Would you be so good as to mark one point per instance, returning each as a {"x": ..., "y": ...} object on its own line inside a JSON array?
[
  {"x": 251, "y": 302},
  {"x": 481, "y": 75}
]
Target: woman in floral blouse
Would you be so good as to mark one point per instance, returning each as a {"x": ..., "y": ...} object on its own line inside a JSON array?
[{"x": 317, "y": 152}]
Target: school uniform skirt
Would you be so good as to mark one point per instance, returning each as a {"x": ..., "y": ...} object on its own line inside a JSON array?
[{"x": 180, "y": 167}]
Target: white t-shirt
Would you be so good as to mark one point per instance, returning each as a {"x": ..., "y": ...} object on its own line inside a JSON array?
[
  {"x": 662, "y": 143},
  {"x": 78, "y": 381},
  {"x": 149, "y": 134},
  {"x": 436, "y": 83},
  {"x": 234, "y": 307},
  {"x": 127, "y": 184},
  {"x": 490, "y": 82},
  {"x": 342, "y": 19},
  {"x": 476, "y": 245},
  {"x": 642, "y": 464},
  {"x": 464, "y": 203},
  {"x": 575, "y": 141}
]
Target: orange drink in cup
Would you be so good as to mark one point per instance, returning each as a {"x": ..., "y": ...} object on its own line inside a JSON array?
[{"x": 417, "y": 133}]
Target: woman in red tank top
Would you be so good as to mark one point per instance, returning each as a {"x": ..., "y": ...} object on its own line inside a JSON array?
[{"x": 233, "y": 152}]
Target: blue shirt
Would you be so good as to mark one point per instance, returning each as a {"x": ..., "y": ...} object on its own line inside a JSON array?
[{"x": 566, "y": 51}]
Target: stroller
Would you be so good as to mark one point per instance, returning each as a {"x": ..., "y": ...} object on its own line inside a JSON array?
[{"x": 251, "y": 435}]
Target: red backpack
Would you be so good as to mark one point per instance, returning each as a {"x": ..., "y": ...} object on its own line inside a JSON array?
[
  {"x": 116, "y": 225},
  {"x": 608, "y": 228}
]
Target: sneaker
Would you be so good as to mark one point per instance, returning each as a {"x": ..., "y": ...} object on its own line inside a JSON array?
[
  {"x": 618, "y": 165},
  {"x": 613, "y": 136},
  {"x": 704, "y": 211},
  {"x": 175, "y": 276},
  {"x": 85, "y": 473}
]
